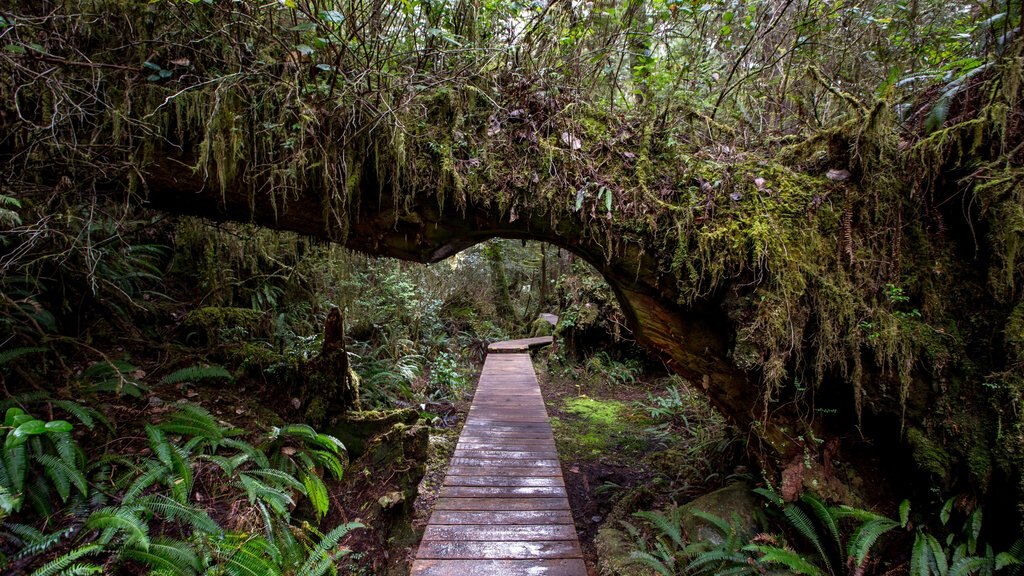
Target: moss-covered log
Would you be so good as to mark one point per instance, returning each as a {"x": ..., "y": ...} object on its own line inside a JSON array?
[{"x": 830, "y": 288}]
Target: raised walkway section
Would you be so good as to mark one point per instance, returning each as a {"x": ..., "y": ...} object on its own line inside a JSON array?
[{"x": 503, "y": 509}]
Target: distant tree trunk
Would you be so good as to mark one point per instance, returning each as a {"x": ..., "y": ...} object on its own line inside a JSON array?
[
  {"x": 543, "y": 276},
  {"x": 331, "y": 386},
  {"x": 499, "y": 280}
]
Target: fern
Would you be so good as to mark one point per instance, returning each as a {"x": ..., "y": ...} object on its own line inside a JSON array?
[
  {"x": 82, "y": 570},
  {"x": 12, "y": 354},
  {"x": 773, "y": 555},
  {"x": 330, "y": 462},
  {"x": 254, "y": 454},
  {"x": 800, "y": 521},
  {"x": 316, "y": 491},
  {"x": 195, "y": 421},
  {"x": 278, "y": 500},
  {"x": 169, "y": 509},
  {"x": 865, "y": 537},
  {"x": 968, "y": 566},
  {"x": 666, "y": 526},
  {"x": 645, "y": 558},
  {"x": 121, "y": 519},
  {"x": 63, "y": 475},
  {"x": 85, "y": 415},
  {"x": 322, "y": 556},
  {"x": 64, "y": 561},
  {"x": 171, "y": 556},
  {"x": 825, "y": 517},
  {"x": 197, "y": 373},
  {"x": 36, "y": 543},
  {"x": 256, "y": 557}
]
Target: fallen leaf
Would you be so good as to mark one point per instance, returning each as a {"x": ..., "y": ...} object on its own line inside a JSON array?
[
  {"x": 838, "y": 175},
  {"x": 571, "y": 141}
]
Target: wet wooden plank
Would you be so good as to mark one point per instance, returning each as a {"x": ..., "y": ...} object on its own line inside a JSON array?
[
  {"x": 483, "y": 532},
  {"x": 560, "y": 567},
  {"x": 504, "y": 471},
  {"x": 501, "y": 504},
  {"x": 482, "y": 453},
  {"x": 498, "y": 481},
  {"x": 501, "y": 517},
  {"x": 504, "y": 550},
  {"x": 503, "y": 491},
  {"x": 499, "y": 462}
]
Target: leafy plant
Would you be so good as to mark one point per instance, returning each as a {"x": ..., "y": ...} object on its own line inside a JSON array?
[
  {"x": 38, "y": 457},
  {"x": 962, "y": 553},
  {"x": 196, "y": 374}
]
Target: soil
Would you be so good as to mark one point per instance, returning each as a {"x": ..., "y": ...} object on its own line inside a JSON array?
[{"x": 593, "y": 481}]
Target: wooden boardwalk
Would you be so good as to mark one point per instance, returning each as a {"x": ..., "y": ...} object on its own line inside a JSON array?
[{"x": 503, "y": 509}]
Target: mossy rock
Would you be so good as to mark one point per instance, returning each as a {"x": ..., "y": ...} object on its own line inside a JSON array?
[
  {"x": 355, "y": 429},
  {"x": 219, "y": 325},
  {"x": 613, "y": 549},
  {"x": 735, "y": 504}
]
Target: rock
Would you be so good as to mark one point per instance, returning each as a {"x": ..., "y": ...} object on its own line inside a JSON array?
[
  {"x": 838, "y": 175},
  {"x": 390, "y": 500},
  {"x": 735, "y": 504},
  {"x": 613, "y": 549}
]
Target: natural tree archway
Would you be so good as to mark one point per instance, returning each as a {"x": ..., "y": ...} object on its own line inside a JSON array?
[{"x": 826, "y": 256}]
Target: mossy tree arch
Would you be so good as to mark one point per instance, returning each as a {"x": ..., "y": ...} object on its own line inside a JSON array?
[{"x": 863, "y": 259}]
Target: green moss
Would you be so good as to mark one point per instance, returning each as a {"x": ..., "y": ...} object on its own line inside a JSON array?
[
  {"x": 929, "y": 455},
  {"x": 592, "y": 428}
]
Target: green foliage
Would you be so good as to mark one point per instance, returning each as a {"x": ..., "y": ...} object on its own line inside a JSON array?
[
  {"x": 37, "y": 456},
  {"x": 963, "y": 552},
  {"x": 141, "y": 510},
  {"x": 196, "y": 374},
  {"x": 832, "y": 540}
]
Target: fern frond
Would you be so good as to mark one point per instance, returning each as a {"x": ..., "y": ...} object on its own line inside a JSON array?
[
  {"x": 278, "y": 500},
  {"x": 773, "y": 555},
  {"x": 330, "y": 443},
  {"x": 155, "y": 473},
  {"x": 322, "y": 556},
  {"x": 652, "y": 562},
  {"x": 718, "y": 522},
  {"x": 193, "y": 420},
  {"x": 254, "y": 453},
  {"x": 865, "y": 537},
  {"x": 279, "y": 478},
  {"x": 12, "y": 354},
  {"x": 316, "y": 491},
  {"x": 769, "y": 495},
  {"x": 37, "y": 543},
  {"x": 711, "y": 562},
  {"x": 664, "y": 525},
  {"x": 969, "y": 565},
  {"x": 81, "y": 570},
  {"x": 825, "y": 516},
  {"x": 121, "y": 519},
  {"x": 920, "y": 556},
  {"x": 87, "y": 416},
  {"x": 195, "y": 518},
  {"x": 172, "y": 556},
  {"x": 63, "y": 475},
  {"x": 197, "y": 373},
  {"x": 58, "y": 564},
  {"x": 256, "y": 557},
  {"x": 330, "y": 462},
  {"x": 800, "y": 521}
]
